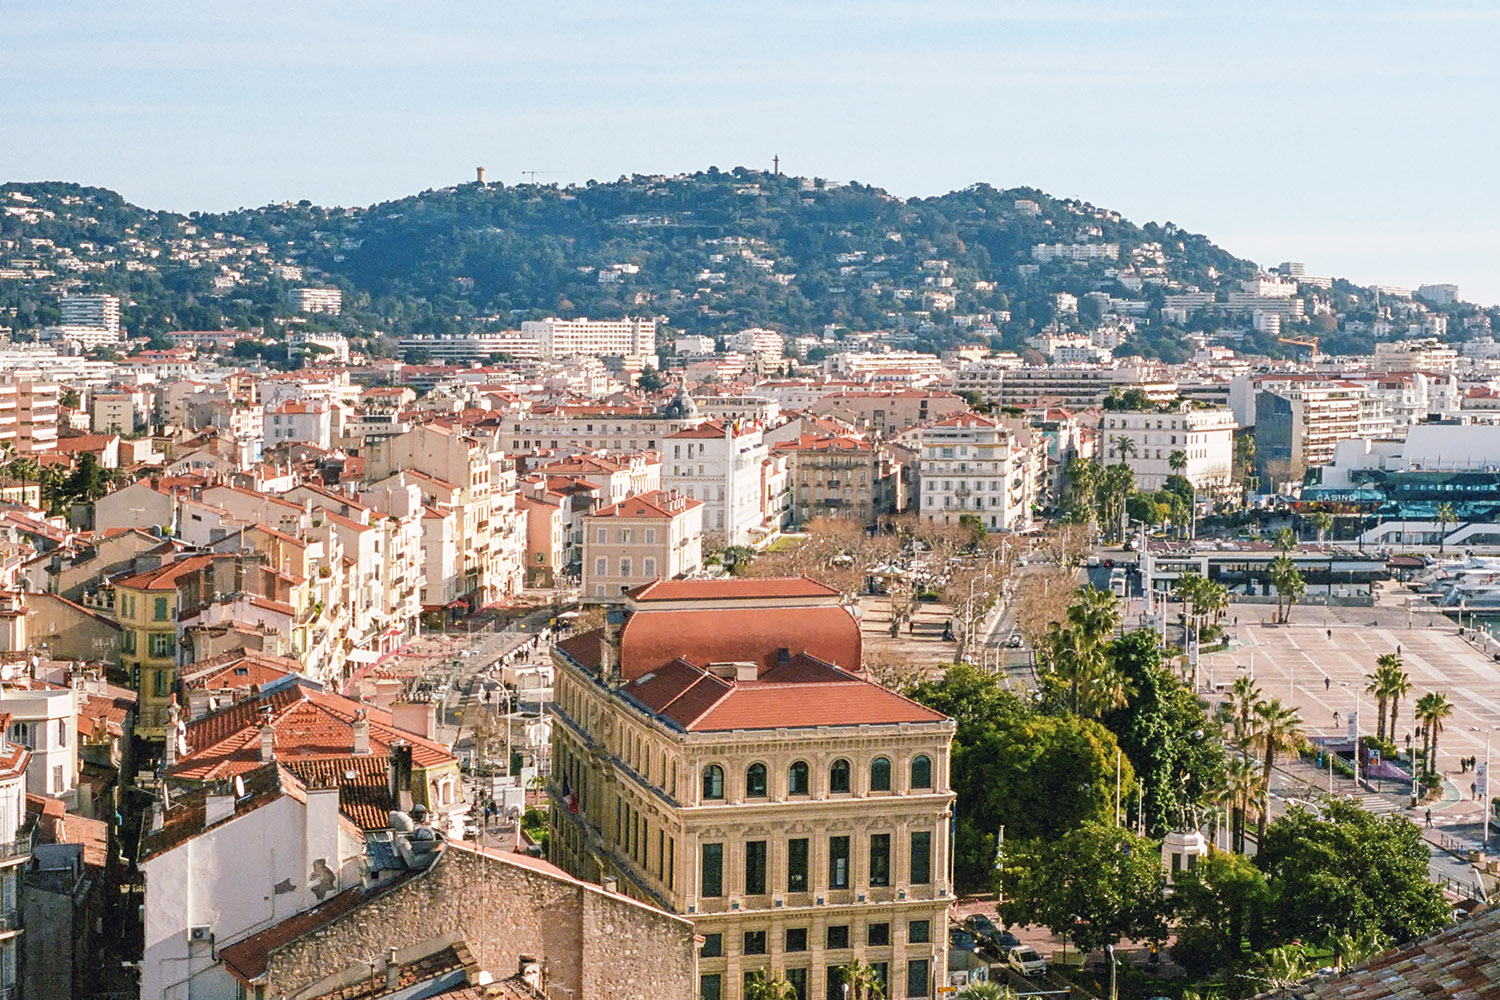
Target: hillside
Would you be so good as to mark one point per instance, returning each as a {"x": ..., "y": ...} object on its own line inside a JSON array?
[{"x": 712, "y": 252}]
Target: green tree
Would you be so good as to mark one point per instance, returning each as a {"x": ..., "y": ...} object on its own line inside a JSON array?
[
  {"x": 88, "y": 480},
  {"x": 1096, "y": 883},
  {"x": 1349, "y": 872},
  {"x": 1171, "y": 743},
  {"x": 1177, "y": 461},
  {"x": 1322, "y": 523},
  {"x": 1290, "y": 587},
  {"x": 1221, "y": 901},
  {"x": 1278, "y": 728},
  {"x": 1398, "y": 686},
  {"x": 986, "y": 991},
  {"x": 1284, "y": 539},
  {"x": 68, "y": 398},
  {"x": 863, "y": 981},
  {"x": 1433, "y": 709},
  {"x": 1381, "y": 683},
  {"x": 765, "y": 985},
  {"x": 1037, "y": 775},
  {"x": 1445, "y": 517}
]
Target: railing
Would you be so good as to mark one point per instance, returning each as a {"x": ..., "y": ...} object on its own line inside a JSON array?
[{"x": 19, "y": 847}]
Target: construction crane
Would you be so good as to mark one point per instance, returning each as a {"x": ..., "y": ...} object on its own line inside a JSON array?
[
  {"x": 533, "y": 174},
  {"x": 1308, "y": 342}
]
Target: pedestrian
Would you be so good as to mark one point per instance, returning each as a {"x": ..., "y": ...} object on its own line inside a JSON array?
[
  {"x": 1429, "y": 819},
  {"x": 1335, "y": 718},
  {"x": 1473, "y": 789},
  {"x": 1327, "y": 683},
  {"x": 1330, "y": 635}
]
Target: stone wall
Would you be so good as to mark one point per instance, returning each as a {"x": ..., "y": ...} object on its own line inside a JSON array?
[{"x": 593, "y": 944}]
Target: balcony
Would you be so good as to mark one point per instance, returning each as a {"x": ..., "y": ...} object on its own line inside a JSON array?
[{"x": 18, "y": 848}]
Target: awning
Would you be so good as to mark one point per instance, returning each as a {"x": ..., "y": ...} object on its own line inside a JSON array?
[{"x": 364, "y": 655}]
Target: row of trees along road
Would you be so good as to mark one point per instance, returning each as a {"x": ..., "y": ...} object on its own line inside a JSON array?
[{"x": 1115, "y": 751}]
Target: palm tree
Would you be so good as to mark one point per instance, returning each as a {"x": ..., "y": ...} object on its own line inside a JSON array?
[
  {"x": 1382, "y": 680},
  {"x": 1177, "y": 461},
  {"x": 765, "y": 985},
  {"x": 1290, "y": 587},
  {"x": 1399, "y": 686},
  {"x": 1357, "y": 950},
  {"x": 1433, "y": 709},
  {"x": 1285, "y": 539},
  {"x": 1322, "y": 523},
  {"x": 1277, "y": 727},
  {"x": 1445, "y": 517},
  {"x": 863, "y": 981},
  {"x": 1282, "y": 967},
  {"x": 1244, "y": 695},
  {"x": 986, "y": 991},
  {"x": 1124, "y": 447},
  {"x": 1242, "y": 787}
]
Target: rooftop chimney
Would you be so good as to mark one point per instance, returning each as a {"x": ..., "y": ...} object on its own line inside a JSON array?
[
  {"x": 361, "y": 727},
  {"x": 392, "y": 970},
  {"x": 267, "y": 743}
]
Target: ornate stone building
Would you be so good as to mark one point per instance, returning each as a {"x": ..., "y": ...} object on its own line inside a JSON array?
[{"x": 719, "y": 753}]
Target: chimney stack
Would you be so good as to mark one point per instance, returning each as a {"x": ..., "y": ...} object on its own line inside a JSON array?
[
  {"x": 361, "y": 727},
  {"x": 267, "y": 743},
  {"x": 392, "y": 970}
]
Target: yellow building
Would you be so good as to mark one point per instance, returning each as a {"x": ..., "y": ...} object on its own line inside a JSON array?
[
  {"x": 146, "y": 609},
  {"x": 718, "y": 752}
]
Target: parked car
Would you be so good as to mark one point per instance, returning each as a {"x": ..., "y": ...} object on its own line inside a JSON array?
[
  {"x": 961, "y": 940},
  {"x": 1005, "y": 942},
  {"x": 982, "y": 927},
  {"x": 1027, "y": 961}
]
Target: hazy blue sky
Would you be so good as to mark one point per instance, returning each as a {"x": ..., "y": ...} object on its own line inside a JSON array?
[{"x": 1359, "y": 137}]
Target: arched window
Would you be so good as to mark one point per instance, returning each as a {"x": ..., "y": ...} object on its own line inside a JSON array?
[
  {"x": 880, "y": 774},
  {"x": 797, "y": 782},
  {"x": 755, "y": 781},
  {"x": 713, "y": 782},
  {"x": 838, "y": 776},
  {"x": 921, "y": 771}
]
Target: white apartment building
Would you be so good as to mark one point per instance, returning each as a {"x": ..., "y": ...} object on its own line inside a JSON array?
[
  {"x": 1438, "y": 294},
  {"x": 724, "y": 465},
  {"x": 15, "y": 852},
  {"x": 757, "y": 341},
  {"x": 566, "y": 338},
  {"x": 295, "y": 421},
  {"x": 336, "y": 344},
  {"x": 469, "y": 347},
  {"x": 99, "y": 312},
  {"x": 316, "y": 300},
  {"x": 1077, "y": 253},
  {"x": 231, "y": 862},
  {"x": 44, "y": 720},
  {"x": 1414, "y": 355},
  {"x": 867, "y": 367},
  {"x": 1205, "y": 436},
  {"x": 970, "y": 464}
]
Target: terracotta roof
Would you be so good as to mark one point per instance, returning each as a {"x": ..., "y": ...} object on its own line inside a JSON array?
[
  {"x": 165, "y": 577},
  {"x": 657, "y": 503},
  {"x": 310, "y": 725},
  {"x": 1460, "y": 962},
  {"x": 813, "y": 442},
  {"x": 803, "y": 691},
  {"x": 247, "y": 959},
  {"x": 108, "y": 713},
  {"x": 238, "y": 668},
  {"x": 732, "y": 588},
  {"x": 184, "y": 819},
  {"x": 707, "y": 429}
]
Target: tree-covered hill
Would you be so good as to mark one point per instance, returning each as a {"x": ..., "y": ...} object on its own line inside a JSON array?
[{"x": 712, "y": 252}]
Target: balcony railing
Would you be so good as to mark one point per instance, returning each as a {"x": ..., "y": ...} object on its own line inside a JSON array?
[{"x": 19, "y": 847}]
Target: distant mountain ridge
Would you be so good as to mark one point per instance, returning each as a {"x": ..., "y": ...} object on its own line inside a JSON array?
[{"x": 713, "y": 252}]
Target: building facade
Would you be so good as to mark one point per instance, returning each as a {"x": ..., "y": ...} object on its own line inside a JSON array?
[
  {"x": 1204, "y": 436},
  {"x": 718, "y": 752},
  {"x": 654, "y": 536},
  {"x": 973, "y": 465}
]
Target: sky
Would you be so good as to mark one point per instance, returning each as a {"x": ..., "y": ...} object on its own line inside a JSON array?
[{"x": 1358, "y": 137}]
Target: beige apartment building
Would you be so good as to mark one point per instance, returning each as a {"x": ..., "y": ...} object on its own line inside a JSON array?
[
  {"x": 719, "y": 753},
  {"x": 841, "y": 477},
  {"x": 654, "y": 536}
]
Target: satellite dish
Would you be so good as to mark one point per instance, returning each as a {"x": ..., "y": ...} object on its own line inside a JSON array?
[{"x": 239, "y": 787}]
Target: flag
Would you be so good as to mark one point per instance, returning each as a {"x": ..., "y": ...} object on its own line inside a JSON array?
[{"x": 569, "y": 799}]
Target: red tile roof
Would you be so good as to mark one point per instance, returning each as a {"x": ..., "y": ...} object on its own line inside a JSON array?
[
  {"x": 657, "y": 503},
  {"x": 802, "y": 692},
  {"x": 732, "y": 588},
  {"x": 310, "y": 725}
]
